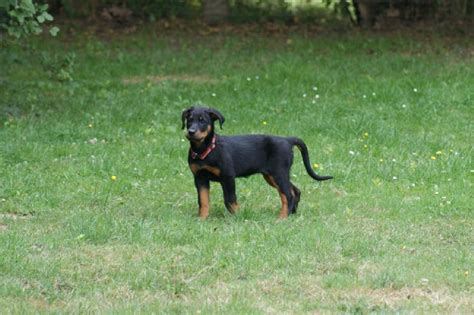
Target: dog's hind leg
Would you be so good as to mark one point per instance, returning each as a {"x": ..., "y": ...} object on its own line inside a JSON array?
[
  {"x": 296, "y": 194},
  {"x": 287, "y": 199},
  {"x": 284, "y": 189}
]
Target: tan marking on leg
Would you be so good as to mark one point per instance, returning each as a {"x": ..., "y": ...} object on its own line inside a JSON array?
[
  {"x": 204, "y": 203},
  {"x": 194, "y": 168},
  {"x": 284, "y": 201},
  {"x": 233, "y": 207},
  {"x": 270, "y": 180},
  {"x": 284, "y": 206}
]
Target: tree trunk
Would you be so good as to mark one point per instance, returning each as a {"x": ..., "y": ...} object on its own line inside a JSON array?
[
  {"x": 365, "y": 12},
  {"x": 215, "y": 11}
]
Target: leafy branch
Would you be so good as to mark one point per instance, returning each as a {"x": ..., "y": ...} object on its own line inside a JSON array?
[{"x": 26, "y": 17}]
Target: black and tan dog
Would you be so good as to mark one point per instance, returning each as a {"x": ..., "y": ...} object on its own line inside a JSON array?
[{"x": 219, "y": 158}]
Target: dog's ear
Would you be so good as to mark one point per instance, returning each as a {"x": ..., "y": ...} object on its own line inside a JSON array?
[
  {"x": 185, "y": 115},
  {"x": 216, "y": 115}
]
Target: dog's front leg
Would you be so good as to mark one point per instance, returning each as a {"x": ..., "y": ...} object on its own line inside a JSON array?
[
  {"x": 228, "y": 188},
  {"x": 202, "y": 187}
]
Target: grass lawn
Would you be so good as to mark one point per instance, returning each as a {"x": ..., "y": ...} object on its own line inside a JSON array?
[{"x": 389, "y": 116}]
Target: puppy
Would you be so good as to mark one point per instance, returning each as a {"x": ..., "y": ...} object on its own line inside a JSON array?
[{"x": 221, "y": 159}]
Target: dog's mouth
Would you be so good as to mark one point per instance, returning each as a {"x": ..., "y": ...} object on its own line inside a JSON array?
[{"x": 195, "y": 138}]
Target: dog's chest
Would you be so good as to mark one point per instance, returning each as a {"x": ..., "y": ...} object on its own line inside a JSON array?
[{"x": 197, "y": 168}]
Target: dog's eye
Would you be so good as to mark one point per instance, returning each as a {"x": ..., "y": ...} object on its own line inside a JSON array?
[{"x": 201, "y": 119}]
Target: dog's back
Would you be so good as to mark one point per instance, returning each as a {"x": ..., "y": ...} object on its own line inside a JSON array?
[{"x": 252, "y": 154}]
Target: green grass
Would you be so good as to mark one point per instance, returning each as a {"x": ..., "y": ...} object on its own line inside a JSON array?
[{"x": 393, "y": 123}]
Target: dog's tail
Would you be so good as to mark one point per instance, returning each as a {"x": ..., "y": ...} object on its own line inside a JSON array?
[{"x": 304, "y": 153}]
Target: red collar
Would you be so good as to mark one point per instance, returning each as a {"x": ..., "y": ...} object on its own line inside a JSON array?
[{"x": 206, "y": 152}]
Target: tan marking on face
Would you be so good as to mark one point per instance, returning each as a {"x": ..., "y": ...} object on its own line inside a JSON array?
[
  {"x": 204, "y": 203},
  {"x": 199, "y": 136},
  {"x": 211, "y": 169}
]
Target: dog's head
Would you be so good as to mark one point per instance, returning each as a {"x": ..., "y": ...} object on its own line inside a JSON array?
[{"x": 199, "y": 122}]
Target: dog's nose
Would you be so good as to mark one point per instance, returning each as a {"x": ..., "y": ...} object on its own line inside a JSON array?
[{"x": 191, "y": 131}]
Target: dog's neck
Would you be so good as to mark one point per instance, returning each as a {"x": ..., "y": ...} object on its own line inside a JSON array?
[{"x": 200, "y": 147}]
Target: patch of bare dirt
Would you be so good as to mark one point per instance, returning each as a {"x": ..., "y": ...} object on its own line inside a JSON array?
[
  {"x": 393, "y": 298},
  {"x": 15, "y": 216}
]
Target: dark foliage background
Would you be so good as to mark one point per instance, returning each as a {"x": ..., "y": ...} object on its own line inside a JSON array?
[{"x": 362, "y": 12}]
